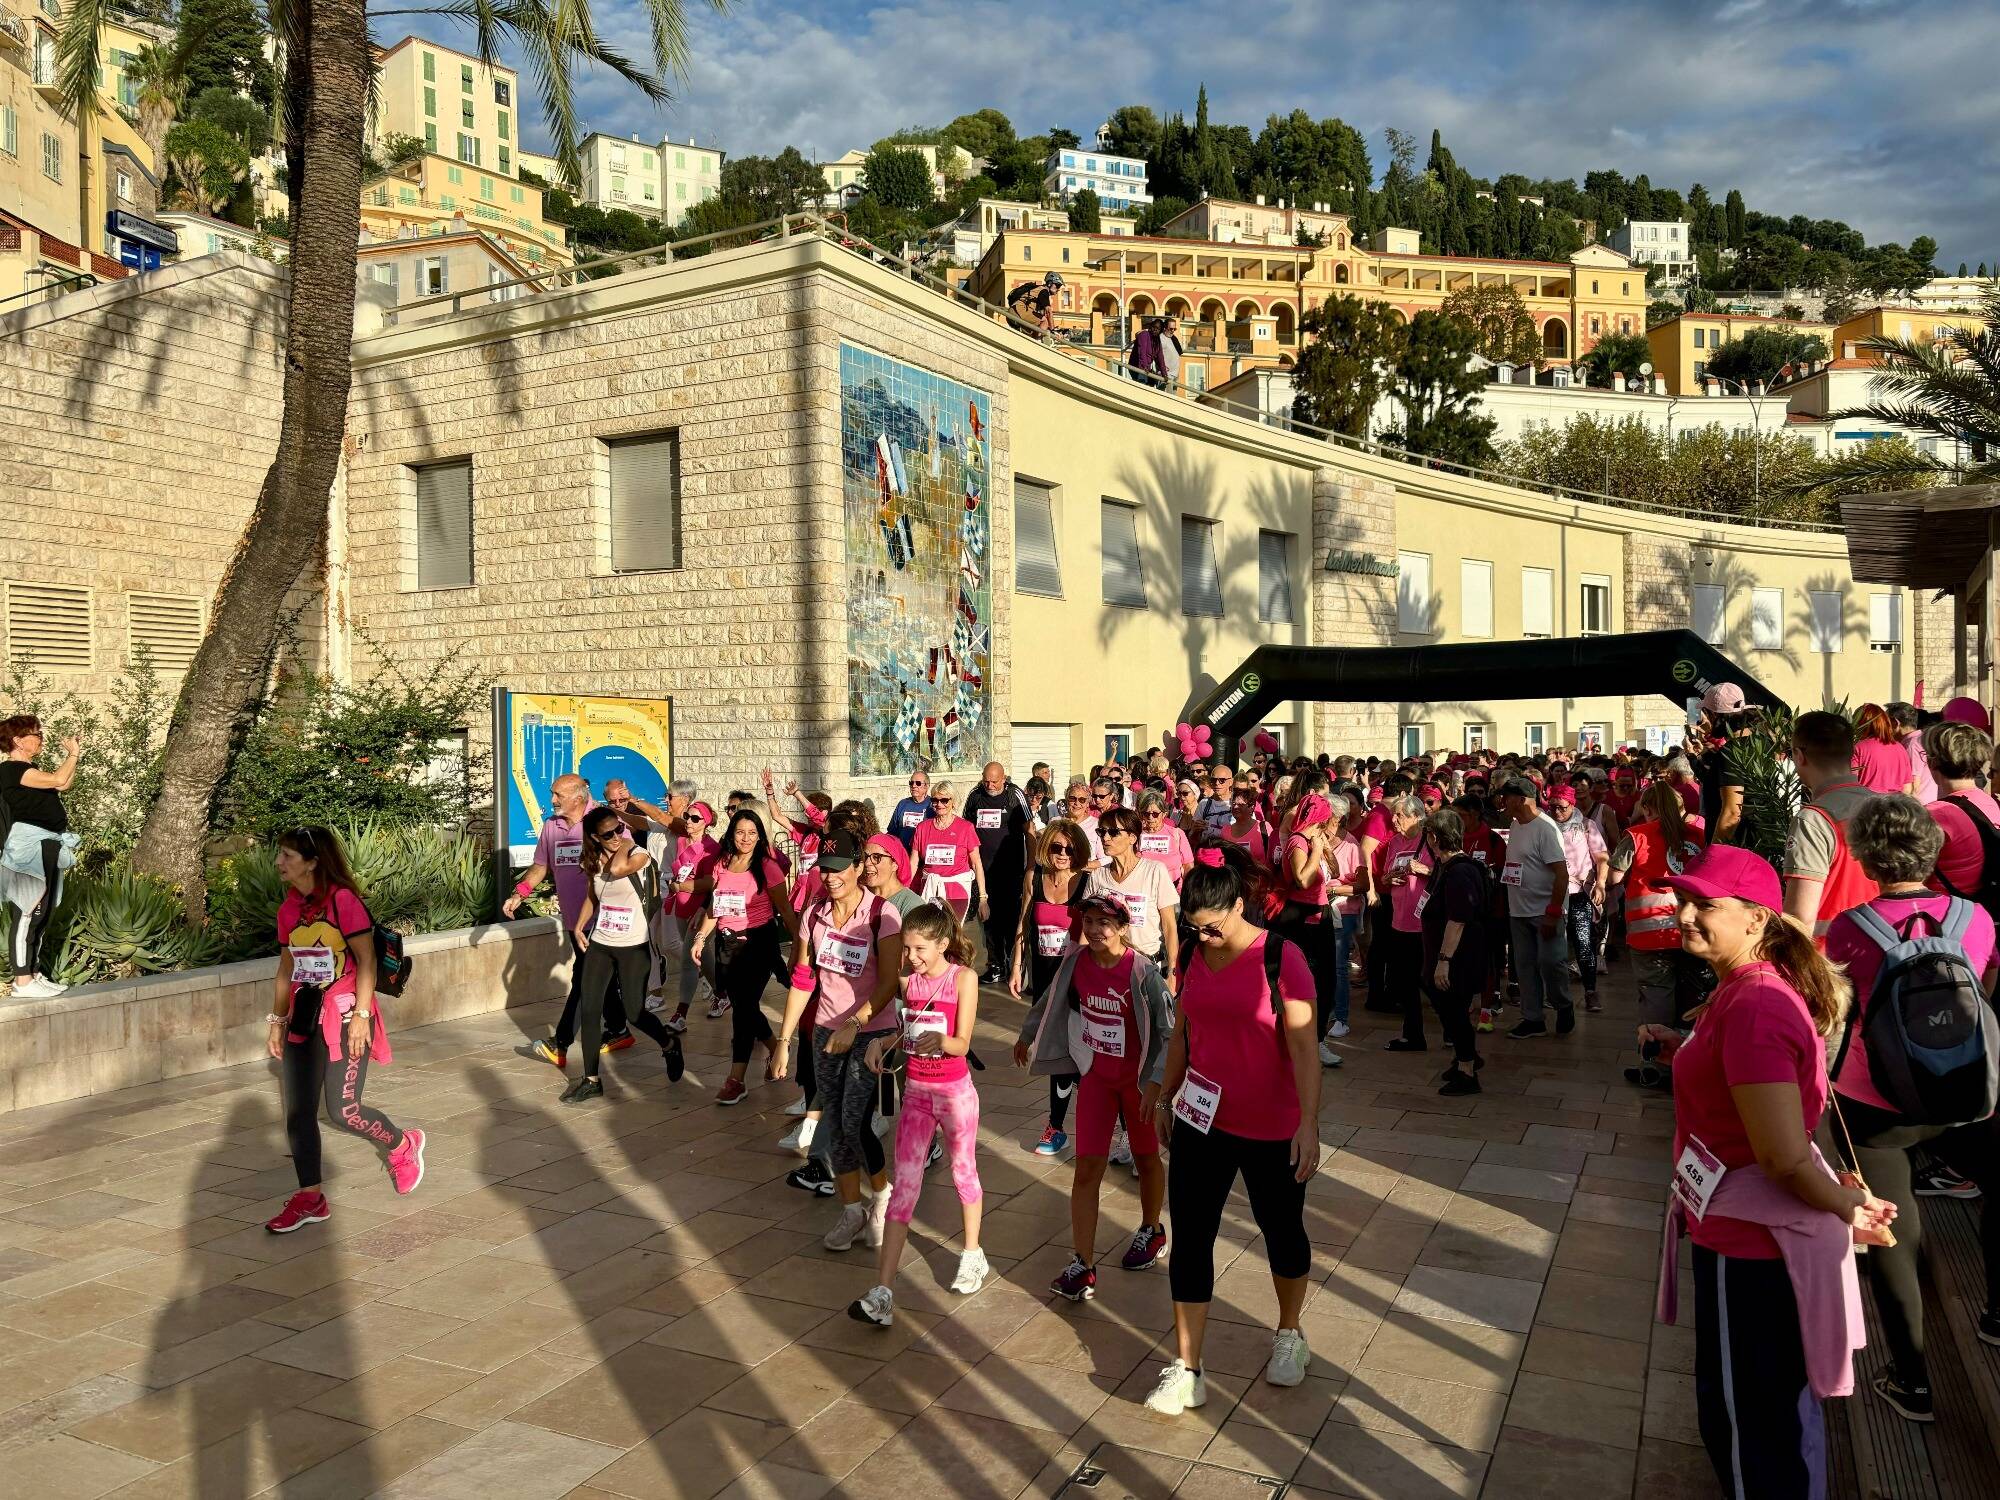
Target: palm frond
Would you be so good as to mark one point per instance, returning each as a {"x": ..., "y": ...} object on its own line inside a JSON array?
[
  {"x": 76, "y": 56},
  {"x": 1877, "y": 466}
]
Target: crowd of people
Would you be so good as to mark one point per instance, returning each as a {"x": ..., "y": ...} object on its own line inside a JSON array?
[{"x": 1187, "y": 939}]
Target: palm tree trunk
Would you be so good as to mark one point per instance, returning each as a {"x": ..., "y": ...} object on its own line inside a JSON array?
[{"x": 326, "y": 77}]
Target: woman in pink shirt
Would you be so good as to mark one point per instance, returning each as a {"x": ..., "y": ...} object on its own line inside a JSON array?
[
  {"x": 1239, "y": 1093},
  {"x": 1162, "y": 840},
  {"x": 748, "y": 918},
  {"x": 1406, "y": 868},
  {"x": 1959, "y": 756},
  {"x": 1897, "y": 845},
  {"x": 945, "y": 857},
  {"x": 1245, "y": 830},
  {"x": 1749, "y": 1088},
  {"x": 1880, "y": 762}
]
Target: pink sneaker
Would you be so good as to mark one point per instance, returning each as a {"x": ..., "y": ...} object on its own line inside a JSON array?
[
  {"x": 406, "y": 1162},
  {"x": 300, "y": 1210}
]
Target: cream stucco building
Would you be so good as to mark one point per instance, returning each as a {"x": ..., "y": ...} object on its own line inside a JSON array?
[{"x": 450, "y": 100}]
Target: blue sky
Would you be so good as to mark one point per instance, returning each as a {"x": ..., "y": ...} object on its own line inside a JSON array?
[{"x": 1879, "y": 112}]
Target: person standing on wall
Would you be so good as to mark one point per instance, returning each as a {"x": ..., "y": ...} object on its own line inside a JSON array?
[
  {"x": 38, "y": 846},
  {"x": 999, "y": 816}
]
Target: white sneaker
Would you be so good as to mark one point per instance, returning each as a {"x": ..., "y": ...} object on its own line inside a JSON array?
[
  {"x": 972, "y": 1271},
  {"x": 799, "y": 1138},
  {"x": 877, "y": 1305},
  {"x": 39, "y": 988},
  {"x": 718, "y": 1007},
  {"x": 656, "y": 1003},
  {"x": 678, "y": 1021},
  {"x": 1337, "y": 1029},
  {"x": 1289, "y": 1358},
  {"x": 1328, "y": 1058},
  {"x": 798, "y": 1107},
  {"x": 1177, "y": 1389},
  {"x": 1121, "y": 1149},
  {"x": 847, "y": 1228},
  {"x": 878, "y": 1215}
]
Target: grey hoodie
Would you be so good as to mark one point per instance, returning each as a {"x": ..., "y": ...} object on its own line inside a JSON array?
[{"x": 1060, "y": 1049}]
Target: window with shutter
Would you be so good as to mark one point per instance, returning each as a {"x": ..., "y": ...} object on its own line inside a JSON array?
[
  {"x": 1037, "y": 565},
  {"x": 1475, "y": 599},
  {"x": 645, "y": 503},
  {"x": 1201, "y": 582},
  {"x": 1885, "y": 622},
  {"x": 1538, "y": 594},
  {"x": 1708, "y": 598},
  {"x": 48, "y": 627},
  {"x": 1826, "y": 612},
  {"x": 1413, "y": 593},
  {"x": 444, "y": 525},
  {"x": 166, "y": 627},
  {"x": 1274, "y": 577},
  {"x": 1124, "y": 575},
  {"x": 1594, "y": 604},
  {"x": 1767, "y": 631}
]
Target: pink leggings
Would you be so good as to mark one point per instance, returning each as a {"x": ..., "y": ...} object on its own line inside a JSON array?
[{"x": 925, "y": 1107}]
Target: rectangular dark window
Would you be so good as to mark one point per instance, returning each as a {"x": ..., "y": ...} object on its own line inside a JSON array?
[{"x": 444, "y": 525}]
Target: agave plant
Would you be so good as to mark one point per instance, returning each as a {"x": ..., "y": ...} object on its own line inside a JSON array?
[
  {"x": 244, "y": 893},
  {"x": 123, "y": 924}
]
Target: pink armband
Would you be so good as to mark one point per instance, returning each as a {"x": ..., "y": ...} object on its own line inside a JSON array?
[
  {"x": 802, "y": 976},
  {"x": 524, "y": 889}
]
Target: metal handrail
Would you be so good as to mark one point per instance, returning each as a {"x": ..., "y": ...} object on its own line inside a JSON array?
[{"x": 57, "y": 284}]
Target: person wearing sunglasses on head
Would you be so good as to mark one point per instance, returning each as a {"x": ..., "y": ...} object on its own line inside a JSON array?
[
  {"x": 913, "y": 811},
  {"x": 1051, "y": 898},
  {"x": 946, "y": 852}
]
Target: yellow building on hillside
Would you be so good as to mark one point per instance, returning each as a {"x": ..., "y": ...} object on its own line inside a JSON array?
[
  {"x": 1682, "y": 347},
  {"x": 451, "y": 101},
  {"x": 1923, "y": 325},
  {"x": 435, "y": 195}
]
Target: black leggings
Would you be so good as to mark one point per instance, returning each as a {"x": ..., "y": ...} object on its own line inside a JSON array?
[
  {"x": 847, "y": 1104},
  {"x": 1454, "y": 1012},
  {"x": 1406, "y": 958},
  {"x": 604, "y": 966},
  {"x": 1062, "y": 1086},
  {"x": 1760, "y": 1422},
  {"x": 1375, "y": 922},
  {"x": 307, "y": 1078},
  {"x": 1201, "y": 1169},
  {"x": 31, "y": 927},
  {"x": 743, "y": 979},
  {"x": 1883, "y": 1142},
  {"x": 612, "y": 1004},
  {"x": 1315, "y": 930}
]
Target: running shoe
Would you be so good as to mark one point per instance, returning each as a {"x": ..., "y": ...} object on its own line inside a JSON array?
[
  {"x": 1177, "y": 1389},
  {"x": 1938, "y": 1181},
  {"x": 1338, "y": 1029},
  {"x": 549, "y": 1052},
  {"x": 848, "y": 1227},
  {"x": 1591, "y": 1002},
  {"x": 583, "y": 1091},
  {"x": 813, "y": 1177},
  {"x": 1912, "y": 1402},
  {"x": 972, "y": 1273},
  {"x": 616, "y": 1041},
  {"x": 1289, "y": 1358},
  {"x": 1456, "y": 1083},
  {"x": 406, "y": 1163},
  {"x": 797, "y": 1108},
  {"x": 1149, "y": 1242},
  {"x": 799, "y": 1138},
  {"x": 678, "y": 1021},
  {"x": 1121, "y": 1149},
  {"x": 718, "y": 1007},
  {"x": 1485, "y": 1021},
  {"x": 1526, "y": 1030},
  {"x": 41, "y": 987},
  {"x": 937, "y": 1152},
  {"x": 1052, "y": 1141},
  {"x": 300, "y": 1210},
  {"x": 1566, "y": 1021},
  {"x": 877, "y": 1305},
  {"x": 1078, "y": 1281},
  {"x": 731, "y": 1092},
  {"x": 674, "y": 1058},
  {"x": 1328, "y": 1058}
]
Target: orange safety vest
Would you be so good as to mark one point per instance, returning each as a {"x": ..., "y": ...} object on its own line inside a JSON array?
[
  {"x": 1649, "y": 905},
  {"x": 1846, "y": 886}
]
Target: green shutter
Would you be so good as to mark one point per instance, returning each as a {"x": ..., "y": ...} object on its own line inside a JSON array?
[
  {"x": 430, "y": 67},
  {"x": 430, "y": 101}
]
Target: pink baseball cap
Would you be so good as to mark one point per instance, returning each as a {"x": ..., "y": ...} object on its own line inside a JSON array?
[
  {"x": 1725, "y": 870},
  {"x": 1968, "y": 711},
  {"x": 1723, "y": 698}
]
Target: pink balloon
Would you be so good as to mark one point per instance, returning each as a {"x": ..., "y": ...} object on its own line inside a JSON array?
[
  {"x": 1183, "y": 729},
  {"x": 1201, "y": 735}
]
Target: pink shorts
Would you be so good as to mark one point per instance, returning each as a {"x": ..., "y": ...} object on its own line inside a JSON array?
[{"x": 1103, "y": 1094}]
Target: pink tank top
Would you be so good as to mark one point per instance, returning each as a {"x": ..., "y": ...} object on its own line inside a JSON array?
[{"x": 932, "y": 1005}]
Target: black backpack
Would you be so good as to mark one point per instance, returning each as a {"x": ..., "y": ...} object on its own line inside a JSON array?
[
  {"x": 1988, "y": 894},
  {"x": 1932, "y": 1038},
  {"x": 392, "y": 964}
]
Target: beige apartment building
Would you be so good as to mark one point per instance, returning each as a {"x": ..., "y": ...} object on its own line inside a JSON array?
[
  {"x": 400, "y": 272},
  {"x": 661, "y": 181},
  {"x": 1077, "y": 560},
  {"x": 451, "y": 101},
  {"x": 435, "y": 195}
]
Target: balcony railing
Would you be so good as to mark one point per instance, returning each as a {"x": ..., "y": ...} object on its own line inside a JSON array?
[{"x": 13, "y": 30}]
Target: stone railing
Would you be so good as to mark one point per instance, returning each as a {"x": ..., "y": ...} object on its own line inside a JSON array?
[{"x": 103, "y": 1037}]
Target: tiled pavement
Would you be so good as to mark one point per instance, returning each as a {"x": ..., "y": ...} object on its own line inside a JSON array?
[{"x": 626, "y": 1300}]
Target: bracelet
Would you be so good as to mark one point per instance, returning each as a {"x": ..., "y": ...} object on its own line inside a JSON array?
[
  {"x": 277, "y": 1020},
  {"x": 524, "y": 889}
]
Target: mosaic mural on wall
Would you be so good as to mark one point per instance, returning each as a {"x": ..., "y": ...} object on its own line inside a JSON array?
[{"x": 915, "y": 478}]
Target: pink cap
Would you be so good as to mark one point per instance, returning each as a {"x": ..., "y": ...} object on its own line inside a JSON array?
[
  {"x": 892, "y": 846},
  {"x": 1968, "y": 711},
  {"x": 1723, "y": 698},
  {"x": 1725, "y": 870}
]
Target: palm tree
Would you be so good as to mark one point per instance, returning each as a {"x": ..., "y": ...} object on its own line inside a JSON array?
[
  {"x": 1950, "y": 391},
  {"x": 158, "y": 72},
  {"x": 326, "y": 57}
]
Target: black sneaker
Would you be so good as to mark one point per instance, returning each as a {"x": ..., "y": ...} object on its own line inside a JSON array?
[
  {"x": 1478, "y": 1062},
  {"x": 1403, "y": 1044},
  {"x": 1911, "y": 1401},
  {"x": 1525, "y": 1029},
  {"x": 583, "y": 1090},
  {"x": 1565, "y": 1021},
  {"x": 1937, "y": 1181},
  {"x": 1456, "y": 1083},
  {"x": 813, "y": 1177},
  {"x": 675, "y": 1059}
]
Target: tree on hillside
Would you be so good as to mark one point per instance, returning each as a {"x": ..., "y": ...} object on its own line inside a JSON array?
[
  {"x": 1061, "y": 138},
  {"x": 1732, "y": 219},
  {"x": 1504, "y": 327},
  {"x": 327, "y": 65},
  {"x": 783, "y": 184},
  {"x": 1438, "y": 392},
  {"x": 1086, "y": 211},
  {"x": 980, "y": 134},
  {"x": 1614, "y": 354},
  {"x": 225, "y": 42},
  {"x": 207, "y": 163},
  {"x": 1135, "y": 131},
  {"x": 1759, "y": 355},
  {"x": 897, "y": 178},
  {"x": 1344, "y": 370}
]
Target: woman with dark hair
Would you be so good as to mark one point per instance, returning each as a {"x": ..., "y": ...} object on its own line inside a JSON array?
[
  {"x": 1880, "y": 762},
  {"x": 1453, "y": 918},
  {"x": 613, "y": 932},
  {"x": 325, "y": 1023},
  {"x": 1778, "y": 1305},
  {"x": 1142, "y": 884},
  {"x": 1050, "y": 926},
  {"x": 748, "y": 917},
  {"x": 39, "y": 846},
  {"x": 1239, "y": 1094}
]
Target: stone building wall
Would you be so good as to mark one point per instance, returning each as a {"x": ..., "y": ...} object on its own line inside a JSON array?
[{"x": 1351, "y": 513}]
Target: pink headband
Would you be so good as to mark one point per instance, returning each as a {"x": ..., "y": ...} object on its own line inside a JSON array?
[
  {"x": 1209, "y": 858},
  {"x": 1313, "y": 810}
]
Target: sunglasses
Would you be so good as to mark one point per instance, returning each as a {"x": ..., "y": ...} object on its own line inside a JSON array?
[
  {"x": 1117, "y": 833},
  {"x": 1207, "y": 931},
  {"x": 944, "y": 801},
  {"x": 1059, "y": 849},
  {"x": 1075, "y": 801},
  {"x": 919, "y": 785}
]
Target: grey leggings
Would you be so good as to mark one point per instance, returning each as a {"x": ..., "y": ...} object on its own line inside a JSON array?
[{"x": 847, "y": 1093}]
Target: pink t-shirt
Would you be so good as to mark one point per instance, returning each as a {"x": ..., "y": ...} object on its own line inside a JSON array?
[
  {"x": 1881, "y": 766},
  {"x": 1235, "y": 1040},
  {"x": 1402, "y": 855},
  {"x": 944, "y": 852},
  {"x": 1168, "y": 846},
  {"x": 1755, "y": 1030},
  {"x": 1346, "y": 871},
  {"x": 1313, "y": 892},
  {"x": 1252, "y": 838},
  {"x": 843, "y": 959},
  {"x": 1105, "y": 998},
  {"x": 737, "y": 902},
  {"x": 1848, "y": 944},
  {"x": 317, "y": 933},
  {"x": 689, "y": 862},
  {"x": 1920, "y": 767},
  {"x": 1962, "y": 861},
  {"x": 932, "y": 1005}
]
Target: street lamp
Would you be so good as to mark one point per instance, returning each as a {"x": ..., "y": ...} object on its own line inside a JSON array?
[
  {"x": 1099, "y": 264},
  {"x": 1756, "y": 400}
]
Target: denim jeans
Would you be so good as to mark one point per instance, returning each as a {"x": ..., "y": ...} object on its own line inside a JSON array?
[
  {"x": 1343, "y": 952},
  {"x": 1543, "y": 966}
]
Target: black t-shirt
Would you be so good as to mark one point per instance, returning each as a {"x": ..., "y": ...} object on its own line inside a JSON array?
[
  {"x": 41, "y": 806},
  {"x": 1001, "y": 821},
  {"x": 1716, "y": 773},
  {"x": 1458, "y": 893}
]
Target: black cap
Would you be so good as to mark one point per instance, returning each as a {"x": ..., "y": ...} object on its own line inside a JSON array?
[
  {"x": 840, "y": 850},
  {"x": 1519, "y": 786}
]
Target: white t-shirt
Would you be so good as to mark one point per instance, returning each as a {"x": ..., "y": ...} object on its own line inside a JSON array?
[
  {"x": 1531, "y": 848},
  {"x": 621, "y": 915},
  {"x": 1148, "y": 894}
]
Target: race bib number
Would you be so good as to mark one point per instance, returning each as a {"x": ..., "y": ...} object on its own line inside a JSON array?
[
  {"x": 732, "y": 904},
  {"x": 1138, "y": 904},
  {"x": 921, "y": 1023},
  {"x": 1198, "y": 1101},
  {"x": 312, "y": 966},
  {"x": 1479, "y": 856},
  {"x": 1510, "y": 873},
  {"x": 569, "y": 856},
  {"x": 913, "y": 817},
  {"x": 1050, "y": 941},
  {"x": 987, "y": 817},
  {"x": 1104, "y": 1036},
  {"x": 1696, "y": 1177},
  {"x": 615, "y": 921},
  {"x": 940, "y": 856},
  {"x": 1154, "y": 843},
  {"x": 1423, "y": 901},
  {"x": 843, "y": 955}
]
